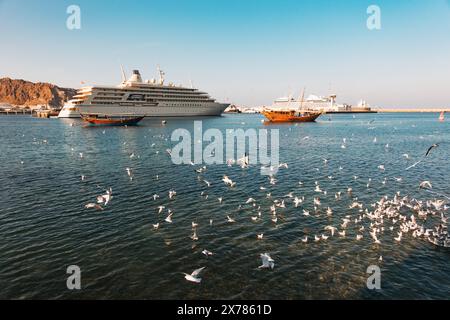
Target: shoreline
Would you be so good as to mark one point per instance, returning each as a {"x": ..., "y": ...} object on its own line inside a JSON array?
[{"x": 434, "y": 110}]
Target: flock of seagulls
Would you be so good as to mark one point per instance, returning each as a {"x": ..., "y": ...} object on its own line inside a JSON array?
[{"x": 391, "y": 219}]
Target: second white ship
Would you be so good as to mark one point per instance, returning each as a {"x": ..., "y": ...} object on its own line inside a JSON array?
[{"x": 135, "y": 97}]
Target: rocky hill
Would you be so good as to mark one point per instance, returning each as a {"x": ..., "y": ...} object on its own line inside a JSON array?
[{"x": 25, "y": 93}]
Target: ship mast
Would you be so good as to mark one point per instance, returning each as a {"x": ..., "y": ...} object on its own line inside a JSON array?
[
  {"x": 124, "y": 77},
  {"x": 302, "y": 98},
  {"x": 161, "y": 76},
  {"x": 289, "y": 100}
]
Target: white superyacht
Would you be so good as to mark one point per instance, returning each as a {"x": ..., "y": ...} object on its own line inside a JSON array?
[{"x": 136, "y": 97}]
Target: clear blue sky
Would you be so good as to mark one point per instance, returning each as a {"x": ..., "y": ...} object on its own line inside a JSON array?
[{"x": 244, "y": 51}]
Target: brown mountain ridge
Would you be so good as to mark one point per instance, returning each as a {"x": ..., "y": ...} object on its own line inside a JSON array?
[{"x": 23, "y": 93}]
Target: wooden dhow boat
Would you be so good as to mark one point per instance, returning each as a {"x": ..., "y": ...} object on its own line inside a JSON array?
[
  {"x": 105, "y": 120},
  {"x": 292, "y": 114}
]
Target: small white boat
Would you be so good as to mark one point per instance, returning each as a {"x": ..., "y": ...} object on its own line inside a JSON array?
[{"x": 69, "y": 110}]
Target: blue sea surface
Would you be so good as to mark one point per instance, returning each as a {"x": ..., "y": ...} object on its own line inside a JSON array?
[{"x": 45, "y": 227}]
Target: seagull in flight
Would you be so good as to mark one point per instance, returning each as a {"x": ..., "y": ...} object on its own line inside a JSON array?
[
  {"x": 431, "y": 148},
  {"x": 194, "y": 276},
  {"x": 207, "y": 253},
  {"x": 267, "y": 261},
  {"x": 160, "y": 209},
  {"x": 426, "y": 155},
  {"x": 194, "y": 236},
  {"x": 228, "y": 181},
  {"x": 172, "y": 194},
  {"x": 331, "y": 229},
  {"x": 317, "y": 202},
  {"x": 230, "y": 220},
  {"x": 130, "y": 173},
  {"x": 244, "y": 161},
  {"x": 169, "y": 218},
  {"x": 297, "y": 201},
  {"x": 425, "y": 185}
]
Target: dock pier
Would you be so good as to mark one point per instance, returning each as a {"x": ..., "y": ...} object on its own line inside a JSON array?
[
  {"x": 35, "y": 113},
  {"x": 15, "y": 112}
]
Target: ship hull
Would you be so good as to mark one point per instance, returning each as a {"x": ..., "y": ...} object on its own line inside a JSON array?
[{"x": 213, "y": 109}]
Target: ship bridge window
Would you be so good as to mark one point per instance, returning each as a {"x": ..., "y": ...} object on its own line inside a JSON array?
[{"x": 136, "y": 97}]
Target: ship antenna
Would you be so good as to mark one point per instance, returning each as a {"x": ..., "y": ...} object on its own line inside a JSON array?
[
  {"x": 289, "y": 99},
  {"x": 124, "y": 77},
  {"x": 161, "y": 75}
]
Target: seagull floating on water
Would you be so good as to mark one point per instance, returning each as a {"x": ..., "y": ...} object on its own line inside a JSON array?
[{"x": 94, "y": 205}]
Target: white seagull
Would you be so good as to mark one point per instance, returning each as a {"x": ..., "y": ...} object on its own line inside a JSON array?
[
  {"x": 160, "y": 209},
  {"x": 228, "y": 181},
  {"x": 425, "y": 185},
  {"x": 267, "y": 261},
  {"x": 172, "y": 194},
  {"x": 94, "y": 205},
  {"x": 130, "y": 173},
  {"x": 207, "y": 253},
  {"x": 297, "y": 201},
  {"x": 169, "y": 218},
  {"x": 194, "y": 276}
]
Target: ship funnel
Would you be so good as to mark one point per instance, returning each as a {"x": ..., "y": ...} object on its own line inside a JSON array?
[{"x": 135, "y": 77}]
